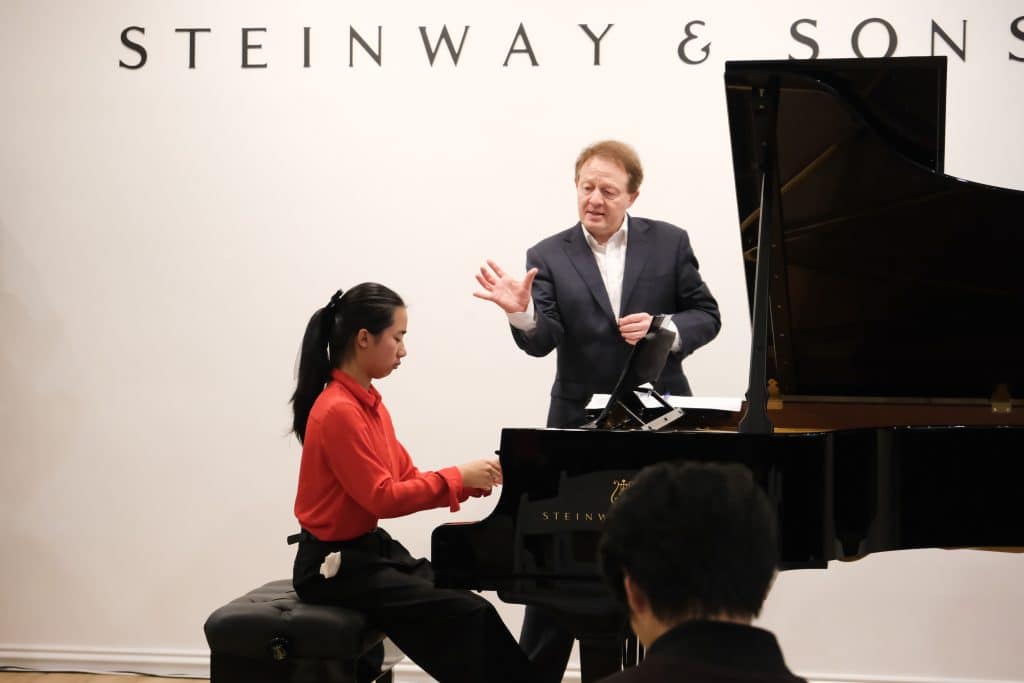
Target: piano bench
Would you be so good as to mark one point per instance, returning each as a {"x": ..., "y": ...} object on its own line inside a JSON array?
[{"x": 270, "y": 636}]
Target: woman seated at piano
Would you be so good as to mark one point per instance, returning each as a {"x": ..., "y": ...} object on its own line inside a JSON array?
[{"x": 354, "y": 472}]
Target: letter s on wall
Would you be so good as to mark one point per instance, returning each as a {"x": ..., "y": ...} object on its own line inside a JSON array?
[{"x": 135, "y": 47}]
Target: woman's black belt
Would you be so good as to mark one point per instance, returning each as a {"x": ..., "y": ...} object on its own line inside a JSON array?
[{"x": 368, "y": 541}]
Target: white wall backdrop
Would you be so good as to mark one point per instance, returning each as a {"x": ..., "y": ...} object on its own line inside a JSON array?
[{"x": 165, "y": 232}]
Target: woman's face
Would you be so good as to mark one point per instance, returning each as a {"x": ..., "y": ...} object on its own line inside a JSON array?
[{"x": 385, "y": 351}]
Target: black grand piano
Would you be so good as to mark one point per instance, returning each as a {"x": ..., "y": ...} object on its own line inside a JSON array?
[{"x": 884, "y": 407}]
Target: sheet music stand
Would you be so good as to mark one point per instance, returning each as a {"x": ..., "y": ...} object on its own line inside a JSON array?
[{"x": 624, "y": 409}]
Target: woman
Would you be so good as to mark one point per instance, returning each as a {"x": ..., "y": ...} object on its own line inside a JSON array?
[{"x": 354, "y": 472}]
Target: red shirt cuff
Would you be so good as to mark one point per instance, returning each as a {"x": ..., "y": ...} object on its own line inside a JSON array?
[{"x": 456, "y": 493}]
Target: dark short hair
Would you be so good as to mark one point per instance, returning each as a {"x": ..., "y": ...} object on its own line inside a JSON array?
[
  {"x": 700, "y": 540},
  {"x": 619, "y": 152}
]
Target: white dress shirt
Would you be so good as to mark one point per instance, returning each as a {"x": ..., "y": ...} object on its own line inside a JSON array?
[{"x": 611, "y": 261}]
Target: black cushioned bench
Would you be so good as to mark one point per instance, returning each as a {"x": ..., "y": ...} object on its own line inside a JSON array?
[{"x": 269, "y": 636}]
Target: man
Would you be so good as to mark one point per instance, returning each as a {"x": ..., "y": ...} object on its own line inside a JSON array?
[
  {"x": 692, "y": 550},
  {"x": 590, "y": 293}
]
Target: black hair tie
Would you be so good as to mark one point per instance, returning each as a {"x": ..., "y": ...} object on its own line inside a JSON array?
[
  {"x": 331, "y": 314},
  {"x": 332, "y": 305}
]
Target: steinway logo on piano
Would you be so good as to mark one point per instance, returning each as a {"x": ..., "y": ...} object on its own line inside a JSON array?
[{"x": 618, "y": 487}]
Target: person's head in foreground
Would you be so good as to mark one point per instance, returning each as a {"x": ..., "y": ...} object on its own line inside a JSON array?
[{"x": 690, "y": 542}]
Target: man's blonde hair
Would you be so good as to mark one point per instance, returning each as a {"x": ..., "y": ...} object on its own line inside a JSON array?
[{"x": 619, "y": 152}]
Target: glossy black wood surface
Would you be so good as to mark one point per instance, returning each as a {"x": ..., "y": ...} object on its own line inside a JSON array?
[{"x": 839, "y": 495}]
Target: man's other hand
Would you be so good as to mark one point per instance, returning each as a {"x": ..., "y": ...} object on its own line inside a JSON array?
[{"x": 634, "y": 326}]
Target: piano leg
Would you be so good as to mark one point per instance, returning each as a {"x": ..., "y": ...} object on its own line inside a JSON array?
[
  {"x": 547, "y": 641},
  {"x": 600, "y": 656}
]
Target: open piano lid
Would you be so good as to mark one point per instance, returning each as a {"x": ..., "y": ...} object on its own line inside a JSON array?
[{"x": 889, "y": 279}]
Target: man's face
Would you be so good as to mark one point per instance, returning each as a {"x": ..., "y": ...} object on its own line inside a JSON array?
[{"x": 601, "y": 196}]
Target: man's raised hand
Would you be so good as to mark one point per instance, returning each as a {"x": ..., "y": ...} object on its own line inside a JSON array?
[{"x": 512, "y": 295}]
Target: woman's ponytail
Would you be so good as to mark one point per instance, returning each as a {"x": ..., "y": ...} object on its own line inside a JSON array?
[{"x": 314, "y": 368}]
